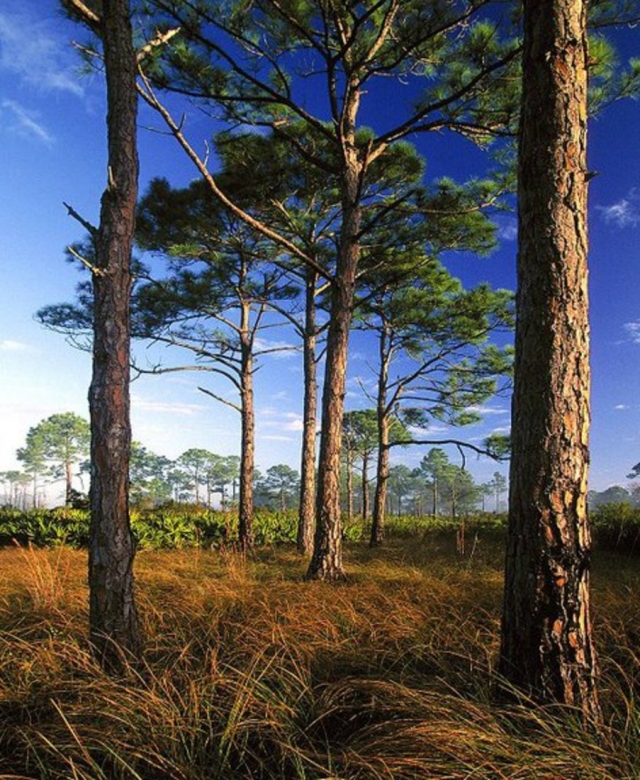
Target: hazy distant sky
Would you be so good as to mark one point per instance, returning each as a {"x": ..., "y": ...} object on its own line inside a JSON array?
[{"x": 52, "y": 137}]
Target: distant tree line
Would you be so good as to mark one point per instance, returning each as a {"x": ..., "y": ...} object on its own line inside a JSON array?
[{"x": 57, "y": 450}]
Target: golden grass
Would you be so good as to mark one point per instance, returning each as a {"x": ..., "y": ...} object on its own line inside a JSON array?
[{"x": 250, "y": 672}]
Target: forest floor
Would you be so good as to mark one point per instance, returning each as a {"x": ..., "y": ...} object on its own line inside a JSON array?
[{"x": 251, "y": 673}]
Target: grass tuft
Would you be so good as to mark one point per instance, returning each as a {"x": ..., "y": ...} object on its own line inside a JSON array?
[{"x": 252, "y": 673}]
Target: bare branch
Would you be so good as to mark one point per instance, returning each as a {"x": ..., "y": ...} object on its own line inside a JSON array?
[
  {"x": 91, "y": 229},
  {"x": 220, "y": 398},
  {"x": 92, "y": 268},
  {"x": 149, "y": 96},
  {"x": 160, "y": 40},
  {"x": 455, "y": 442},
  {"x": 89, "y": 17}
]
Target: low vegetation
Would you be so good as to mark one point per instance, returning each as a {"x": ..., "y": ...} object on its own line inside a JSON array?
[
  {"x": 178, "y": 526},
  {"x": 251, "y": 673}
]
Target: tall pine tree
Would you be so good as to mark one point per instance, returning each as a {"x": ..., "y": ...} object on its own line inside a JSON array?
[{"x": 547, "y": 648}]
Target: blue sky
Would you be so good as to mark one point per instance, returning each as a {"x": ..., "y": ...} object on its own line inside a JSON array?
[{"x": 52, "y": 135}]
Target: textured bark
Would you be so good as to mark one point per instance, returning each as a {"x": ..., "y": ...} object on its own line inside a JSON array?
[
  {"x": 113, "y": 619},
  {"x": 383, "y": 465},
  {"x": 547, "y": 648},
  {"x": 382, "y": 483},
  {"x": 68, "y": 479},
  {"x": 306, "y": 515},
  {"x": 366, "y": 510},
  {"x": 326, "y": 562},
  {"x": 436, "y": 498},
  {"x": 348, "y": 464},
  {"x": 247, "y": 443}
]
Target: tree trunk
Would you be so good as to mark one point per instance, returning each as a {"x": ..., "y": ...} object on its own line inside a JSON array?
[
  {"x": 113, "y": 618},
  {"x": 196, "y": 480},
  {"x": 382, "y": 469},
  {"x": 68, "y": 479},
  {"x": 366, "y": 510},
  {"x": 247, "y": 442},
  {"x": 306, "y": 517},
  {"x": 349, "y": 486},
  {"x": 380, "y": 498},
  {"x": 547, "y": 649},
  {"x": 326, "y": 561}
]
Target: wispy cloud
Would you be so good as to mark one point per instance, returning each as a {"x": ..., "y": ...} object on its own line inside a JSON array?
[
  {"x": 32, "y": 50},
  {"x": 485, "y": 410},
  {"x": 25, "y": 122},
  {"x": 291, "y": 422},
  {"x": 276, "y": 349},
  {"x": 164, "y": 407},
  {"x": 430, "y": 430},
  {"x": 8, "y": 345},
  {"x": 621, "y": 407},
  {"x": 633, "y": 329},
  {"x": 507, "y": 228},
  {"x": 501, "y": 430},
  {"x": 625, "y": 212}
]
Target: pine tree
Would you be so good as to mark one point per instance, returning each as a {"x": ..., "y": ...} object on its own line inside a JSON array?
[
  {"x": 112, "y": 615},
  {"x": 547, "y": 647},
  {"x": 234, "y": 56}
]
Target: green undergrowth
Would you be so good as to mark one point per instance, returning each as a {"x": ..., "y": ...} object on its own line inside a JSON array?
[
  {"x": 249, "y": 672},
  {"x": 182, "y": 526},
  {"x": 617, "y": 526},
  {"x": 186, "y": 525}
]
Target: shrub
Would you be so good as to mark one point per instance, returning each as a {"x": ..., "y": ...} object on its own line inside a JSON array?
[{"x": 617, "y": 526}]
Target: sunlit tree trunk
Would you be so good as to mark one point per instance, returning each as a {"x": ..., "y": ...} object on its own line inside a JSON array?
[
  {"x": 113, "y": 619},
  {"x": 306, "y": 518},
  {"x": 383, "y": 465},
  {"x": 380, "y": 500},
  {"x": 547, "y": 649},
  {"x": 247, "y": 444},
  {"x": 366, "y": 510},
  {"x": 326, "y": 562},
  {"x": 350, "y": 498},
  {"x": 68, "y": 482}
]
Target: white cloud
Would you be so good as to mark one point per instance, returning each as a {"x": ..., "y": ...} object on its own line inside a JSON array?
[
  {"x": 276, "y": 349},
  {"x": 25, "y": 122},
  {"x": 501, "y": 430},
  {"x": 621, "y": 407},
  {"x": 284, "y": 421},
  {"x": 485, "y": 410},
  {"x": 633, "y": 329},
  {"x": 430, "y": 430},
  {"x": 294, "y": 425},
  {"x": 8, "y": 345},
  {"x": 31, "y": 50},
  {"x": 164, "y": 407},
  {"x": 625, "y": 213},
  {"x": 282, "y": 395},
  {"x": 507, "y": 228}
]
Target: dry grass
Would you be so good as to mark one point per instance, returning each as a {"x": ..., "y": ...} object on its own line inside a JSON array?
[{"x": 251, "y": 673}]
